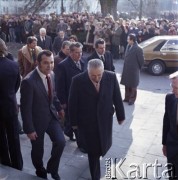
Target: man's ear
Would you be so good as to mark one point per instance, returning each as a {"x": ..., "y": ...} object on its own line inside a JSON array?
[{"x": 38, "y": 63}]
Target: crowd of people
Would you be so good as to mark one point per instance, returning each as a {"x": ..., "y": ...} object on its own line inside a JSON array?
[
  {"x": 64, "y": 93},
  {"x": 86, "y": 28}
]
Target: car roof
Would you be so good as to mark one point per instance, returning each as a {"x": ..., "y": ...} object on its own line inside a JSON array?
[
  {"x": 157, "y": 38},
  {"x": 166, "y": 37}
]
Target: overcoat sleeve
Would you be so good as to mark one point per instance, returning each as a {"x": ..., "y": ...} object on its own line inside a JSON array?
[
  {"x": 73, "y": 102},
  {"x": 166, "y": 122},
  {"x": 60, "y": 83},
  {"x": 26, "y": 91},
  {"x": 117, "y": 100}
]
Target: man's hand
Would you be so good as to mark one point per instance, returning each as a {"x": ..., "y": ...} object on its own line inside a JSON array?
[
  {"x": 164, "y": 149},
  {"x": 64, "y": 106},
  {"x": 61, "y": 114},
  {"x": 32, "y": 136},
  {"x": 120, "y": 122},
  {"x": 74, "y": 127}
]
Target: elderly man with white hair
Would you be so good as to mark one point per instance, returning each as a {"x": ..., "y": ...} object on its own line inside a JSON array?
[
  {"x": 94, "y": 97},
  {"x": 44, "y": 41},
  {"x": 170, "y": 128}
]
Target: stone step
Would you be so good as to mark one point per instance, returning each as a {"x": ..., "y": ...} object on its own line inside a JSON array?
[{"x": 8, "y": 173}]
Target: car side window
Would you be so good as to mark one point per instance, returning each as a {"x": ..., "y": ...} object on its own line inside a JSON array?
[
  {"x": 170, "y": 45},
  {"x": 159, "y": 46}
]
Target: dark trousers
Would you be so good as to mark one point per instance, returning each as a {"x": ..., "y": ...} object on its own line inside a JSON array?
[
  {"x": 173, "y": 165},
  {"x": 10, "y": 153},
  {"x": 55, "y": 133},
  {"x": 94, "y": 164},
  {"x": 68, "y": 131},
  {"x": 115, "y": 51},
  {"x": 130, "y": 94}
]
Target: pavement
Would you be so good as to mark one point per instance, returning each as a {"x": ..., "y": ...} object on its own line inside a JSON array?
[{"x": 136, "y": 152}]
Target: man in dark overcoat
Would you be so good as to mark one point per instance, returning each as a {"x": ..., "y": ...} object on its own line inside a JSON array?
[
  {"x": 92, "y": 96},
  {"x": 10, "y": 153},
  {"x": 58, "y": 40},
  {"x": 101, "y": 53},
  {"x": 44, "y": 41},
  {"x": 64, "y": 73},
  {"x": 170, "y": 128},
  {"x": 133, "y": 63}
]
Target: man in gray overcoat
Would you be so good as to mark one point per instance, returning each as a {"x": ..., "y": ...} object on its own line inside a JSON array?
[{"x": 133, "y": 63}]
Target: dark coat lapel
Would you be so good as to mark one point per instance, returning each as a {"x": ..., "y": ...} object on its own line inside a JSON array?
[
  {"x": 87, "y": 83},
  {"x": 103, "y": 85},
  {"x": 73, "y": 65},
  {"x": 40, "y": 83},
  {"x": 131, "y": 50},
  {"x": 96, "y": 55},
  {"x": 174, "y": 111}
]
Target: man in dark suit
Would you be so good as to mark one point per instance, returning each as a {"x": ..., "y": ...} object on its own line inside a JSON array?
[
  {"x": 40, "y": 111},
  {"x": 10, "y": 153},
  {"x": 133, "y": 63},
  {"x": 64, "y": 73},
  {"x": 170, "y": 128},
  {"x": 63, "y": 53},
  {"x": 44, "y": 41},
  {"x": 58, "y": 40},
  {"x": 101, "y": 53},
  {"x": 91, "y": 99}
]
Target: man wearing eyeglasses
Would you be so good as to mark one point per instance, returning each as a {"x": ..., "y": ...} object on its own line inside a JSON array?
[{"x": 170, "y": 128}]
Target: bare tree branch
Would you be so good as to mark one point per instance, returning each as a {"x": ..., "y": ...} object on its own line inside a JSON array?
[{"x": 34, "y": 6}]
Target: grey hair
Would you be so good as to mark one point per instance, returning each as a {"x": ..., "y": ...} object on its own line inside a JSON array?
[
  {"x": 75, "y": 45},
  {"x": 42, "y": 30},
  {"x": 65, "y": 43},
  {"x": 3, "y": 48},
  {"x": 95, "y": 64}
]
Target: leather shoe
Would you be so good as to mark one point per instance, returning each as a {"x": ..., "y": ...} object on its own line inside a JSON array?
[
  {"x": 55, "y": 176},
  {"x": 125, "y": 100},
  {"x": 21, "y": 132},
  {"x": 41, "y": 173},
  {"x": 130, "y": 103},
  {"x": 82, "y": 150},
  {"x": 72, "y": 138}
]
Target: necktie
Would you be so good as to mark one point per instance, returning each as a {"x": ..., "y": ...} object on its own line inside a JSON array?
[
  {"x": 33, "y": 55},
  {"x": 49, "y": 88},
  {"x": 102, "y": 59},
  {"x": 44, "y": 42},
  {"x": 97, "y": 86},
  {"x": 129, "y": 47},
  {"x": 78, "y": 65}
]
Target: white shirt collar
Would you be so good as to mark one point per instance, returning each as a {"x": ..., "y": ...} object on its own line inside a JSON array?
[
  {"x": 42, "y": 38},
  {"x": 43, "y": 76},
  {"x": 99, "y": 55}
]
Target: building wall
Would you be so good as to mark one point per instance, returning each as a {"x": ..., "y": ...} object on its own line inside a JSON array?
[
  {"x": 11, "y": 6},
  {"x": 15, "y": 6}
]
